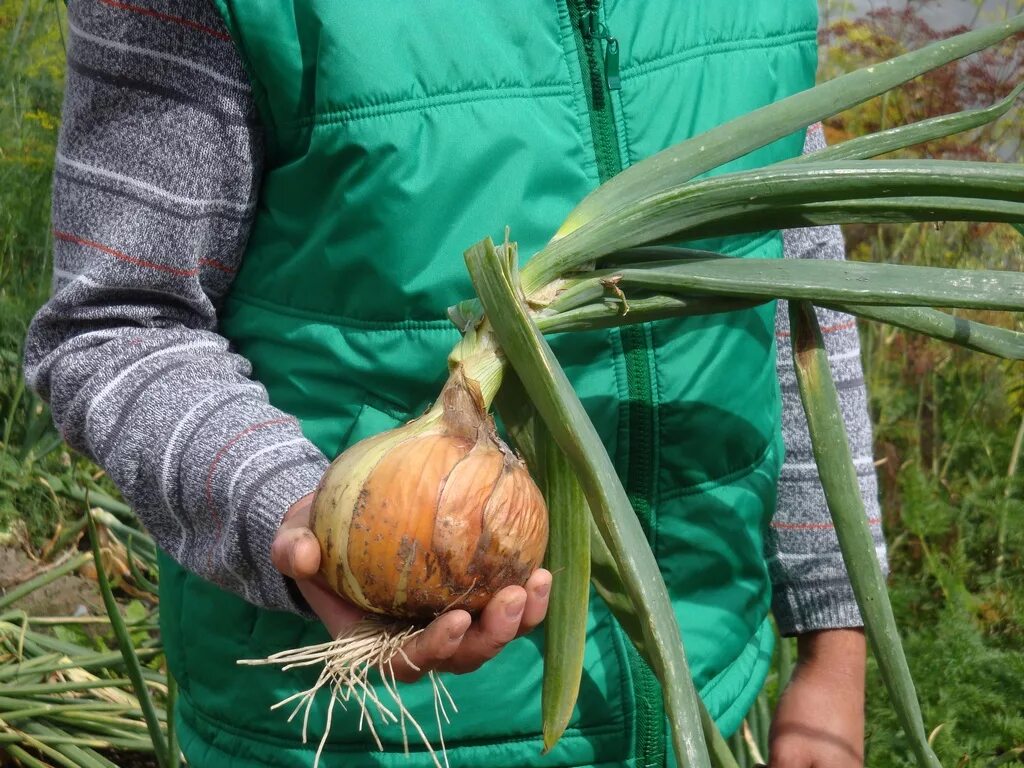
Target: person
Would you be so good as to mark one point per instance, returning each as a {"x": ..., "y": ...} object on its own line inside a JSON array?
[{"x": 259, "y": 211}]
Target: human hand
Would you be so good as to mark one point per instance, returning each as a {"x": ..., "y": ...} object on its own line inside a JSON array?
[
  {"x": 452, "y": 642},
  {"x": 819, "y": 721}
]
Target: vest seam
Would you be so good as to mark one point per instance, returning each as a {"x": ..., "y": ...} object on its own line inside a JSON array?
[
  {"x": 416, "y": 103},
  {"x": 359, "y": 747},
  {"x": 356, "y": 324},
  {"x": 727, "y": 479},
  {"x": 385, "y": 326},
  {"x": 759, "y": 633},
  {"x": 621, "y": 425},
  {"x": 716, "y": 681},
  {"x": 623, "y": 129},
  {"x": 623, "y": 646},
  {"x": 658, "y": 63}
]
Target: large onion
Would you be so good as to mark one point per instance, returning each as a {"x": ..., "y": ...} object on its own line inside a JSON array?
[{"x": 436, "y": 514}]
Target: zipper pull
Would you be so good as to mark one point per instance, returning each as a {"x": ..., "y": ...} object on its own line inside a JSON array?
[
  {"x": 593, "y": 29},
  {"x": 591, "y": 26},
  {"x": 611, "y": 65}
]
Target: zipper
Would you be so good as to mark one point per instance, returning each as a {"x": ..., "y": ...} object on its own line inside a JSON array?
[
  {"x": 593, "y": 28},
  {"x": 599, "y": 62},
  {"x": 598, "y": 52}
]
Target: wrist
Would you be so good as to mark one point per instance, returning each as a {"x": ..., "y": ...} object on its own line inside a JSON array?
[{"x": 834, "y": 652}]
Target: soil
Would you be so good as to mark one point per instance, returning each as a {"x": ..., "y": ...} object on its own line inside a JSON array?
[
  {"x": 131, "y": 759},
  {"x": 69, "y": 595}
]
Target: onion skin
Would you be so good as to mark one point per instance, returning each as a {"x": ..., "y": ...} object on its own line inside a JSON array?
[{"x": 434, "y": 515}]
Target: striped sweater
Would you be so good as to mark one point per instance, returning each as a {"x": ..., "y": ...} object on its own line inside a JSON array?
[{"x": 158, "y": 170}]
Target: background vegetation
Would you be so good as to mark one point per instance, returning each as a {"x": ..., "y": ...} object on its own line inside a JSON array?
[{"x": 949, "y": 422}]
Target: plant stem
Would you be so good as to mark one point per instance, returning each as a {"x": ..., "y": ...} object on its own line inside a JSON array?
[
  {"x": 565, "y": 417},
  {"x": 478, "y": 353},
  {"x": 568, "y": 556},
  {"x": 688, "y": 159},
  {"x": 842, "y": 492},
  {"x": 131, "y": 659},
  {"x": 1004, "y": 512}
]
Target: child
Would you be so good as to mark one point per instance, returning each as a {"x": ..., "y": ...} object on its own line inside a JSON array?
[{"x": 259, "y": 211}]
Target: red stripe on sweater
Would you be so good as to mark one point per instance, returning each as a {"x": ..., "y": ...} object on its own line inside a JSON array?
[
  {"x": 815, "y": 526},
  {"x": 178, "y": 271},
  {"x": 124, "y": 256},
  {"x": 213, "y": 468},
  {"x": 827, "y": 329},
  {"x": 217, "y": 265},
  {"x": 167, "y": 17}
]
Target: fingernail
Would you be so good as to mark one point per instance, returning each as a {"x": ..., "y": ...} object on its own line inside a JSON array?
[
  {"x": 514, "y": 609},
  {"x": 456, "y": 633},
  {"x": 542, "y": 591}
]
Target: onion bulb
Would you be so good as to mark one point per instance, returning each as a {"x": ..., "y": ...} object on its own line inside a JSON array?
[
  {"x": 436, "y": 514},
  {"x": 433, "y": 515}
]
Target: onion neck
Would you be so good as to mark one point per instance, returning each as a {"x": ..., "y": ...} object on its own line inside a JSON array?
[{"x": 481, "y": 359}]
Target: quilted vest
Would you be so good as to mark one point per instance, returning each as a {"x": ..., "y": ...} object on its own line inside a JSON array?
[{"x": 397, "y": 134}]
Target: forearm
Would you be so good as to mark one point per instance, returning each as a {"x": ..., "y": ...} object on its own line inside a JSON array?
[
  {"x": 811, "y": 585},
  {"x": 149, "y": 230},
  {"x": 819, "y": 719}
]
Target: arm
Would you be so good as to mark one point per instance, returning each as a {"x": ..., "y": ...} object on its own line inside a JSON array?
[
  {"x": 155, "y": 191},
  {"x": 812, "y": 596}
]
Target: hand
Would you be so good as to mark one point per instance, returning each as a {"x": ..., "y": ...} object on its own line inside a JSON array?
[
  {"x": 451, "y": 643},
  {"x": 819, "y": 722}
]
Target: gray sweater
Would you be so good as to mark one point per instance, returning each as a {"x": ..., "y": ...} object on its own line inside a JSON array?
[{"x": 157, "y": 176}]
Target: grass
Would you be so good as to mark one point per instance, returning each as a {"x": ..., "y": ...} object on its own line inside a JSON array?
[
  {"x": 947, "y": 421},
  {"x": 31, "y": 78}
]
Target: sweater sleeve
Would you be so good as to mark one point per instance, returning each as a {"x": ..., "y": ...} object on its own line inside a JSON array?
[
  {"x": 154, "y": 194},
  {"x": 811, "y": 586}
]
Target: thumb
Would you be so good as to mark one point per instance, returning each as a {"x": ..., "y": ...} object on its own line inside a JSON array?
[{"x": 296, "y": 551}]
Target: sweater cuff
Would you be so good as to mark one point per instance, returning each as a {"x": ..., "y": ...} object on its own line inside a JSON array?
[
  {"x": 278, "y": 592},
  {"x": 803, "y": 608}
]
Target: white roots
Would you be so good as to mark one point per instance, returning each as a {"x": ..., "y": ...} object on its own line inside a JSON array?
[{"x": 372, "y": 644}]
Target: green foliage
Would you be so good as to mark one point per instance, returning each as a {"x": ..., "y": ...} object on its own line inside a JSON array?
[
  {"x": 31, "y": 78},
  {"x": 32, "y": 74},
  {"x": 946, "y": 422}
]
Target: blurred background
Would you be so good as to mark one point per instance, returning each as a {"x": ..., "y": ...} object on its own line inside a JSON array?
[{"x": 949, "y": 428}]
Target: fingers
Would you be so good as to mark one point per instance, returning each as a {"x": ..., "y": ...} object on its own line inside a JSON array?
[
  {"x": 296, "y": 551},
  {"x": 438, "y": 642},
  {"x": 497, "y": 626},
  {"x": 538, "y": 589},
  {"x": 453, "y": 644},
  {"x": 336, "y": 613}
]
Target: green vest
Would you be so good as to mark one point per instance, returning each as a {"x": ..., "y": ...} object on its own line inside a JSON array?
[{"x": 397, "y": 134}]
